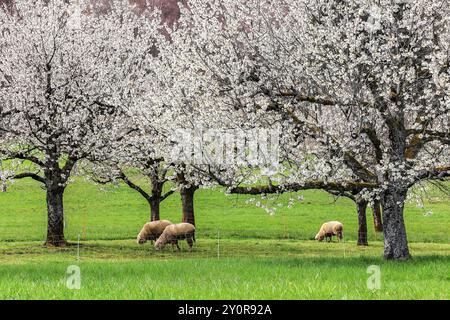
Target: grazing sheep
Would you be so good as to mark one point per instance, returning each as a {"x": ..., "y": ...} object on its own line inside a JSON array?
[
  {"x": 176, "y": 232},
  {"x": 329, "y": 229},
  {"x": 152, "y": 230}
]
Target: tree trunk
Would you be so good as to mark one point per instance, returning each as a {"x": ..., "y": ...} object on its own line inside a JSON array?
[
  {"x": 376, "y": 210},
  {"x": 187, "y": 201},
  {"x": 395, "y": 240},
  {"x": 155, "y": 199},
  {"x": 154, "y": 208},
  {"x": 362, "y": 222},
  {"x": 55, "y": 224}
]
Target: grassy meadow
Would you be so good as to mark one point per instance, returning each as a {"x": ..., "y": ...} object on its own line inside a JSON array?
[{"x": 241, "y": 252}]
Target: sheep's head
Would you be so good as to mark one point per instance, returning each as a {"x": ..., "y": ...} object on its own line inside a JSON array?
[
  {"x": 159, "y": 244},
  {"x": 319, "y": 237},
  {"x": 140, "y": 240}
]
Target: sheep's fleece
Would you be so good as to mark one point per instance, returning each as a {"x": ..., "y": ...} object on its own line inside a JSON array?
[
  {"x": 176, "y": 232},
  {"x": 152, "y": 230},
  {"x": 329, "y": 229}
]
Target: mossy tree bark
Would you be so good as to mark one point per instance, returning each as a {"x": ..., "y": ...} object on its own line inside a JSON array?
[
  {"x": 395, "y": 240},
  {"x": 155, "y": 198},
  {"x": 55, "y": 216},
  {"x": 187, "y": 200},
  {"x": 362, "y": 222},
  {"x": 376, "y": 211},
  {"x": 55, "y": 185}
]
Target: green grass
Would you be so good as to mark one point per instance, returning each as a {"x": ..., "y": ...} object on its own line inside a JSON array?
[
  {"x": 119, "y": 213},
  {"x": 283, "y": 269},
  {"x": 260, "y": 256}
]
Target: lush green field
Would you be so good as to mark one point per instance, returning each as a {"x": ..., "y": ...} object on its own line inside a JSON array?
[
  {"x": 119, "y": 213},
  {"x": 246, "y": 269},
  {"x": 241, "y": 251}
]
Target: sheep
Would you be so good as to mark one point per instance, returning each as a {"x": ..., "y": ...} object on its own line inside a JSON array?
[
  {"x": 152, "y": 230},
  {"x": 176, "y": 232},
  {"x": 329, "y": 229}
]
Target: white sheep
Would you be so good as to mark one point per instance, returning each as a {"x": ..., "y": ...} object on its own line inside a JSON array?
[
  {"x": 175, "y": 232},
  {"x": 329, "y": 229},
  {"x": 152, "y": 230}
]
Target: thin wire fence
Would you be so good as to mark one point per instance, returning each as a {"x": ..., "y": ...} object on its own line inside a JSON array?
[{"x": 217, "y": 244}]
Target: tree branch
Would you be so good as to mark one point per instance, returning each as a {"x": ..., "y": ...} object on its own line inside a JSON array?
[
  {"x": 315, "y": 100},
  {"x": 21, "y": 156},
  {"x": 342, "y": 194},
  {"x": 438, "y": 173},
  {"x": 31, "y": 175},
  {"x": 167, "y": 194},
  {"x": 134, "y": 186},
  {"x": 348, "y": 186},
  {"x": 70, "y": 163},
  {"x": 376, "y": 142}
]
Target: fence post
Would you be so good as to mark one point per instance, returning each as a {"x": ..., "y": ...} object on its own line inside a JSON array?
[
  {"x": 78, "y": 248},
  {"x": 218, "y": 244}
]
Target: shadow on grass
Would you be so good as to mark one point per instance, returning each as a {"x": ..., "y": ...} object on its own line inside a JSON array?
[
  {"x": 287, "y": 252},
  {"x": 353, "y": 261}
]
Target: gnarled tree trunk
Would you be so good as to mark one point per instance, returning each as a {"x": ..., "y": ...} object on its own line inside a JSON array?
[
  {"x": 187, "y": 201},
  {"x": 395, "y": 240},
  {"x": 55, "y": 216},
  {"x": 376, "y": 210},
  {"x": 155, "y": 202},
  {"x": 155, "y": 199},
  {"x": 362, "y": 222}
]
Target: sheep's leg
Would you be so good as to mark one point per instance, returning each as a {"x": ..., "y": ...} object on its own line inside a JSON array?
[
  {"x": 178, "y": 247},
  {"x": 190, "y": 243}
]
